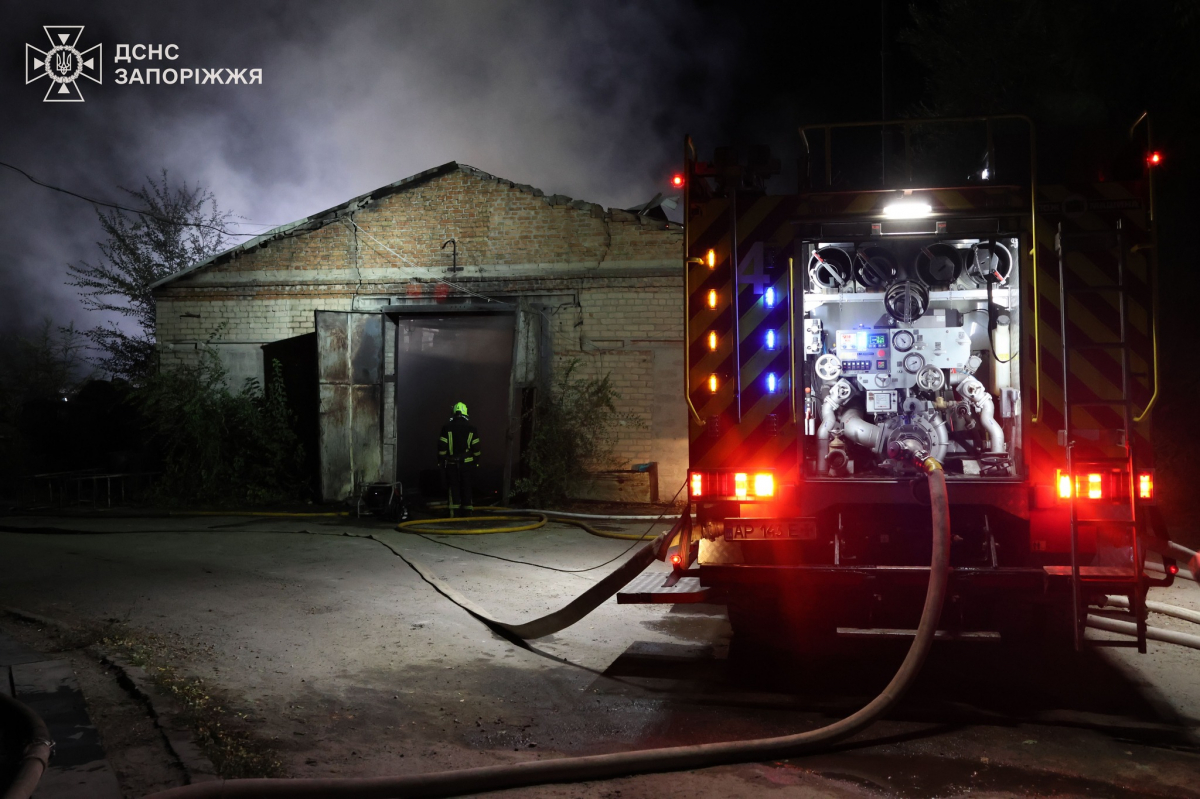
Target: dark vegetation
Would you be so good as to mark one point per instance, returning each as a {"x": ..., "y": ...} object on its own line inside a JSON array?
[
  {"x": 575, "y": 424},
  {"x": 181, "y": 226},
  {"x": 217, "y": 445},
  {"x": 100, "y": 400}
]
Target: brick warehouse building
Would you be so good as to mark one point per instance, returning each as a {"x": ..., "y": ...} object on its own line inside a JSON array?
[{"x": 380, "y": 328}]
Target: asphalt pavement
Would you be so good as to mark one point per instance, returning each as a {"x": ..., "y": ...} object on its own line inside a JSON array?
[{"x": 349, "y": 664}]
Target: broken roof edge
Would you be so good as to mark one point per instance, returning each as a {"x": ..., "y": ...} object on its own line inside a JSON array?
[
  {"x": 330, "y": 215},
  {"x": 311, "y": 222}
]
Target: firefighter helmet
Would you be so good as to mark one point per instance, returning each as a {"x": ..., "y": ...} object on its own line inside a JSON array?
[{"x": 460, "y": 407}]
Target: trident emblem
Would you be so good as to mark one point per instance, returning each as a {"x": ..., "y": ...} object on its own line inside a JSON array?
[{"x": 63, "y": 63}]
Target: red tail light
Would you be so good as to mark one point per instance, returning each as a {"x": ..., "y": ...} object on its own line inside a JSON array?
[
  {"x": 732, "y": 485},
  {"x": 1145, "y": 485}
]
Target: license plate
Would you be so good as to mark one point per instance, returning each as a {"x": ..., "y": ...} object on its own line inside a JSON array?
[{"x": 770, "y": 529}]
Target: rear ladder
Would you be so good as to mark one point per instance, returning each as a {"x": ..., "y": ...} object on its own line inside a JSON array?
[{"x": 1108, "y": 439}]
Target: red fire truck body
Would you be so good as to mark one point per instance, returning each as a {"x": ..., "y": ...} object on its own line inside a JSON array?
[{"x": 1007, "y": 329}]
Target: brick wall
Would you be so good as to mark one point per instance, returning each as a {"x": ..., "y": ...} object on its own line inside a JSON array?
[{"x": 611, "y": 283}]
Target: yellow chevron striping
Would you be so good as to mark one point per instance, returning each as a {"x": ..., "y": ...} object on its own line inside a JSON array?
[
  {"x": 753, "y": 216},
  {"x": 862, "y": 203},
  {"x": 710, "y": 212},
  {"x": 952, "y": 200},
  {"x": 754, "y": 316}
]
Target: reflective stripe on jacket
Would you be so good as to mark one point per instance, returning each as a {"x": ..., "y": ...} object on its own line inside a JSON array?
[{"x": 459, "y": 441}]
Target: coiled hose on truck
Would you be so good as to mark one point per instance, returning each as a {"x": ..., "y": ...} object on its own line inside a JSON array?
[{"x": 624, "y": 764}]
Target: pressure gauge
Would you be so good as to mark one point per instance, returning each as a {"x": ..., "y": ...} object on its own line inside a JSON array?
[
  {"x": 913, "y": 362},
  {"x": 902, "y": 341}
]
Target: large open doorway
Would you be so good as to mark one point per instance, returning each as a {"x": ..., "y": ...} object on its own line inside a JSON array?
[{"x": 448, "y": 357}]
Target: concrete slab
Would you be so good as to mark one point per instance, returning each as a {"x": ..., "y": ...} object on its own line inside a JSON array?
[
  {"x": 12, "y": 652},
  {"x": 78, "y": 768}
]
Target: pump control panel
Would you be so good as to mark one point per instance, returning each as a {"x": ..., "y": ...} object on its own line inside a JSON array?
[{"x": 891, "y": 358}]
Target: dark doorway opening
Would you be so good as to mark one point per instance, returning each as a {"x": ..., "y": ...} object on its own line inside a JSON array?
[{"x": 441, "y": 359}]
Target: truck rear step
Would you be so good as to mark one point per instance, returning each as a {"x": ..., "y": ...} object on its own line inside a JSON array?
[{"x": 655, "y": 588}]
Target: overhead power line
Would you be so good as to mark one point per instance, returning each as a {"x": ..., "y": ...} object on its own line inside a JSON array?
[
  {"x": 120, "y": 207},
  {"x": 410, "y": 262}
]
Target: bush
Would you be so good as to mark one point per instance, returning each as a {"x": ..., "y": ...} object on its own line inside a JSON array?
[
  {"x": 219, "y": 446},
  {"x": 574, "y": 426}
]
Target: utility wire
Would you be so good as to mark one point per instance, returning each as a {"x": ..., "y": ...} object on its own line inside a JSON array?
[
  {"x": 119, "y": 207},
  {"x": 413, "y": 264}
]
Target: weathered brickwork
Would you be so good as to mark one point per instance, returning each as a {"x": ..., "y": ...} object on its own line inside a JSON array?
[{"x": 611, "y": 281}]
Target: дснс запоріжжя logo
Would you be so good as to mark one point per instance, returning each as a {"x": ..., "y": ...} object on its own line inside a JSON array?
[{"x": 63, "y": 63}]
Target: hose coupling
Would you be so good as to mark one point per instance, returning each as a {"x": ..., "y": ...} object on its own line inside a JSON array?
[
  {"x": 911, "y": 450},
  {"x": 33, "y": 751}
]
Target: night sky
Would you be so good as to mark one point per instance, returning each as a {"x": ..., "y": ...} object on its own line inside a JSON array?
[{"x": 590, "y": 100}]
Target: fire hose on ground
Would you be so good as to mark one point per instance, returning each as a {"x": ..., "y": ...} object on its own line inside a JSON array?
[
  {"x": 36, "y": 755},
  {"x": 516, "y": 522},
  {"x": 624, "y": 764},
  {"x": 1156, "y": 633}
]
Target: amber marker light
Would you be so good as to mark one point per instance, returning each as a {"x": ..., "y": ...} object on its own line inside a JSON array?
[
  {"x": 713, "y": 383},
  {"x": 712, "y": 340},
  {"x": 697, "y": 484},
  {"x": 712, "y": 298},
  {"x": 1095, "y": 486},
  {"x": 764, "y": 484},
  {"x": 711, "y": 259},
  {"x": 740, "y": 481}
]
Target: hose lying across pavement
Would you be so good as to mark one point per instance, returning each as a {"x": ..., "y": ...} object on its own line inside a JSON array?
[
  {"x": 1183, "y": 614},
  {"x": 516, "y": 523},
  {"x": 1153, "y": 633},
  {"x": 623, "y": 764}
]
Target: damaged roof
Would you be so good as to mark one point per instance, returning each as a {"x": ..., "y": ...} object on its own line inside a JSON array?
[{"x": 330, "y": 215}]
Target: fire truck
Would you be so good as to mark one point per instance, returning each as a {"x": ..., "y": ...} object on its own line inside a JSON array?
[{"x": 1003, "y": 326}]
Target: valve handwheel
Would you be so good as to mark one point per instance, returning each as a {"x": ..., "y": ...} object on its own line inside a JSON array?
[{"x": 828, "y": 367}]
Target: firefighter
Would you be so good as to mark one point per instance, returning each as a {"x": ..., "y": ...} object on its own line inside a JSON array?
[{"x": 458, "y": 454}]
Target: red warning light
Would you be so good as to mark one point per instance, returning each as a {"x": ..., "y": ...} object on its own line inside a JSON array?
[
  {"x": 1173, "y": 569},
  {"x": 676, "y": 560},
  {"x": 677, "y": 181},
  {"x": 1154, "y": 158}
]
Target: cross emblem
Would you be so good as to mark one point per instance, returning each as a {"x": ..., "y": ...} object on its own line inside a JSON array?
[
  {"x": 750, "y": 269},
  {"x": 63, "y": 63}
]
